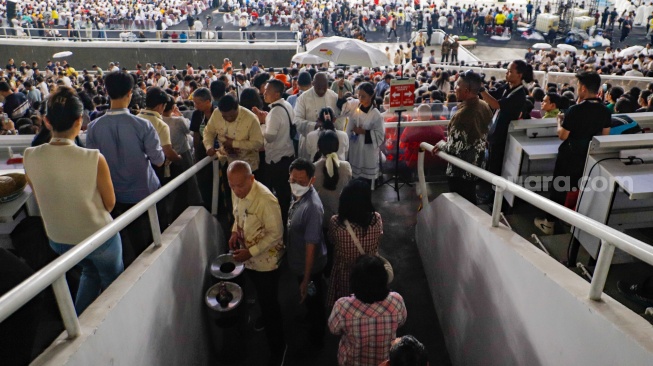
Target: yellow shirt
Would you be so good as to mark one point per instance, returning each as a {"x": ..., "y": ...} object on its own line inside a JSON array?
[
  {"x": 258, "y": 221},
  {"x": 70, "y": 71},
  {"x": 500, "y": 19},
  {"x": 162, "y": 129},
  {"x": 245, "y": 131},
  {"x": 421, "y": 40}
]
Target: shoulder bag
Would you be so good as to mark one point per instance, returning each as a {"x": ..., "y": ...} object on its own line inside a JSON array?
[{"x": 386, "y": 263}]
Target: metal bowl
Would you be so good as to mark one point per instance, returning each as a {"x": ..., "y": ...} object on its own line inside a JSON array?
[
  {"x": 224, "y": 267},
  {"x": 212, "y": 302}
]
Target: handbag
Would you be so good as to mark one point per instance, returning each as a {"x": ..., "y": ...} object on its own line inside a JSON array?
[{"x": 386, "y": 263}]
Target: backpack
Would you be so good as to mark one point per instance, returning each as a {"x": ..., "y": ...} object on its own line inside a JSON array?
[{"x": 624, "y": 125}]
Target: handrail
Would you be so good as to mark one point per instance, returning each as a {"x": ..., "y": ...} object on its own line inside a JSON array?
[
  {"x": 131, "y": 35},
  {"x": 610, "y": 238},
  {"x": 405, "y": 124},
  {"x": 54, "y": 273}
]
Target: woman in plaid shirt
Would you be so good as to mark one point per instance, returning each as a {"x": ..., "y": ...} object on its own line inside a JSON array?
[
  {"x": 355, "y": 206},
  {"x": 367, "y": 321}
]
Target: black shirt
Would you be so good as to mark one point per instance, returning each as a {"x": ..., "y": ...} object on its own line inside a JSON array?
[
  {"x": 586, "y": 119},
  {"x": 197, "y": 119},
  {"x": 510, "y": 107},
  {"x": 16, "y": 106}
]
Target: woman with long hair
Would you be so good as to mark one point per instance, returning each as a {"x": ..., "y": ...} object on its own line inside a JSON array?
[
  {"x": 443, "y": 83},
  {"x": 75, "y": 194},
  {"x": 326, "y": 119},
  {"x": 331, "y": 176},
  {"x": 367, "y": 321},
  {"x": 356, "y": 210}
]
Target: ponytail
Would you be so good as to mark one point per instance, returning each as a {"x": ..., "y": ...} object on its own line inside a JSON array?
[{"x": 328, "y": 145}]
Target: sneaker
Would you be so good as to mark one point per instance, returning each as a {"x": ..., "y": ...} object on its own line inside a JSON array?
[
  {"x": 634, "y": 292},
  {"x": 258, "y": 325},
  {"x": 545, "y": 226},
  {"x": 278, "y": 359}
]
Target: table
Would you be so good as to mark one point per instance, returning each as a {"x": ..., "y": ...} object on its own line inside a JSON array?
[
  {"x": 540, "y": 154},
  {"x": 468, "y": 44},
  {"x": 617, "y": 194}
]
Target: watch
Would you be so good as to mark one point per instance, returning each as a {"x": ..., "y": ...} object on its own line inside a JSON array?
[{"x": 482, "y": 89}]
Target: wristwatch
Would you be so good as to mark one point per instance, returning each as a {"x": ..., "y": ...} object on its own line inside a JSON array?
[{"x": 482, "y": 89}]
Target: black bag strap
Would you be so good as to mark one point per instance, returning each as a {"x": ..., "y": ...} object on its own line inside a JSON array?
[{"x": 290, "y": 125}]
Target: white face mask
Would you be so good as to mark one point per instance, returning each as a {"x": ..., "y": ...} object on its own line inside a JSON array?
[{"x": 298, "y": 190}]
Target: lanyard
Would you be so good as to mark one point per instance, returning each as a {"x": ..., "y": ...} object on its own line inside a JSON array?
[{"x": 514, "y": 91}]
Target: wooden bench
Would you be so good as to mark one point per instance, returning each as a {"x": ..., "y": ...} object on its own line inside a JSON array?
[{"x": 468, "y": 44}]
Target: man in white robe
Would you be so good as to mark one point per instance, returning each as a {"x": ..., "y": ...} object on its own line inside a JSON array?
[{"x": 308, "y": 107}]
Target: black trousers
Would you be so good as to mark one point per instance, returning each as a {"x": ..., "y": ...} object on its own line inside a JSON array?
[
  {"x": 136, "y": 237},
  {"x": 187, "y": 194},
  {"x": 316, "y": 315},
  {"x": 276, "y": 179},
  {"x": 464, "y": 187},
  {"x": 445, "y": 57},
  {"x": 495, "y": 157},
  {"x": 267, "y": 293},
  {"x": 391, "y": 31}
]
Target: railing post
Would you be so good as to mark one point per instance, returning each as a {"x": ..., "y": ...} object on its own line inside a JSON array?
[
  {"x": 601, "y": 271},
  {"x": 154, "y": 224},
  {"x": 422, "y": 179},
  {"x": 496, "y": 208},
  {"x": 216, "y": 187},
  {"x": 66, "y": 307}
]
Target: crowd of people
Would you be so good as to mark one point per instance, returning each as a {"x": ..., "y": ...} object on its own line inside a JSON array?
[
  {"x": 301, "y": 148},
  {"x": 80, "y": 18},
  {"x": 144, "y": 128}
]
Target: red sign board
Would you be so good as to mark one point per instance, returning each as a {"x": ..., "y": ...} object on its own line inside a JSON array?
[{"x": 402, "y": 94}]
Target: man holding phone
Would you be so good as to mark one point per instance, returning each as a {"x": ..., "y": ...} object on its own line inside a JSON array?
[{"x": 340, "y": 74}]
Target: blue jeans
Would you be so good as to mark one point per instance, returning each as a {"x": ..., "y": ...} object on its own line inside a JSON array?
[{"x": 99, "y": 269}]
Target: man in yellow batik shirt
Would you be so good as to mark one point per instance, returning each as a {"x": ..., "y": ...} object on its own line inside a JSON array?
[{"x": 257, "y": 240}]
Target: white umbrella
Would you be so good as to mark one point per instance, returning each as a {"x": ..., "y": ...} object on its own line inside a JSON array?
[
  {"x": 542, "y": 46},
  {"x": 567, "y": 47},
  {"x": 630, "y": 51},
  {"x": 307, "y": 58},
  {"x": 347, "y": 51},
  {"x": 62, "y": 54}
]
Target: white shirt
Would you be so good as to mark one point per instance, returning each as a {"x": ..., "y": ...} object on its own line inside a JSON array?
[
  {"x": 314, "y": 136},
  {"x": 633, "y": 73},
  {"x": 67, "y": 82},
  {"x": 162, "y": 83},
  {"x": 277, "y": 132}
]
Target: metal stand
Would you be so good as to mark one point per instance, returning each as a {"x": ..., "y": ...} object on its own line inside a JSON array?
[{"x": 396, "y": 176}]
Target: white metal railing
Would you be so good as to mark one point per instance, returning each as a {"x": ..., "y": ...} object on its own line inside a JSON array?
[
  {"x": 405, "y": 124},
  {"x": 55, "y": 273},
  {"x": 132, "y": 35},
  {"x": 610, "y": 238}
]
